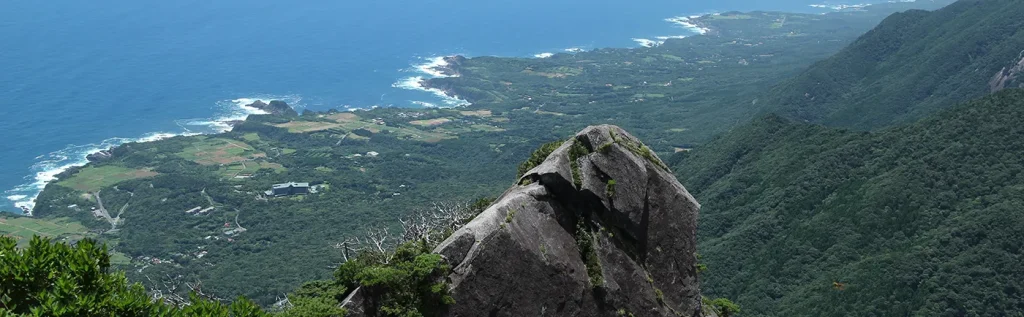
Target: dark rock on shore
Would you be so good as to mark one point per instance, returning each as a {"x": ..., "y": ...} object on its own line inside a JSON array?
[
  {"x": 452, "y": 66},
  {"x": 102, "y": 155},
  {"x": 600, "y": 228},
  {"x": 275, "y": 107}
]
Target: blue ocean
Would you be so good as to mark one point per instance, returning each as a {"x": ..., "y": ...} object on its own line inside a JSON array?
[{"x": 79, "y": 76}]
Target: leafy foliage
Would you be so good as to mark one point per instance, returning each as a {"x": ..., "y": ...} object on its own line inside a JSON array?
[
  {"x": 585, "y": 242},
  {"x": 410, "y": 282},
  {"x": 537, "y": 157},
  {"x": 57, "y": 279},
  {"x": 920, "y": 220},
  {"x": 725, "y": 307}
]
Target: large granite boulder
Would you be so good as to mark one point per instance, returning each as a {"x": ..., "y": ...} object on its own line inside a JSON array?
[{"x": 600, "y": 228}]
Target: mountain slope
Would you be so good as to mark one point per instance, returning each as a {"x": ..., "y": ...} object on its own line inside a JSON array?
[
  {"x": 912, "y": 64},
  {"x": 921, "y": 220}
]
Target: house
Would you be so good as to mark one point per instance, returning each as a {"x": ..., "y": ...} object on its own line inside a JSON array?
[{"x": 288, "y": 189}]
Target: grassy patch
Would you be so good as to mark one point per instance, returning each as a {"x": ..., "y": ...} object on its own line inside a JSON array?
[
  {"x": 23, "y": 228},
  {"x": 485, "y": 128},
  {"x": 430, "y": 122},
  {"x": 641, "y": 150},
  {"x": 576, "y": 151},
  {"x": 344, "y": 117},
  {"x": 588, "y": 250},
  {"x": 478, "y": 113},
  {"x": 730, "y": 17},
  {"x": 558, "y": 114},
  {"x": 673, "y": 58},
  {"x": 118, "y": 258},
  {"x": 217, "y": 151},
  {"x": 307, "y": 126},
  {"x": 247, "y": 168},
  {"x": 92, "y": 179},
  {"x": 649, "y": 96},
  {"x": 610, "y": 188},
  {"x": 251, "y": 137}
]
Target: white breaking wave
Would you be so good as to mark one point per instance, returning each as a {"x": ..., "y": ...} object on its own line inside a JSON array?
[
  {"x": 665, "y": 38},
  {"x": 431, "y": 68},
  {"x": 48, "y": 166},
  {"x": 647, "y": 42},
  {"x": 841, "y": 7},
  {"x": 424, "y": 104},
  {"x": 416, "y": 83},
  {"x": 574, "y": 50},
  {"x": 544, "y": 55},
  {"x": 686, "y": 23},
  {"x": 52, "y": 164}
]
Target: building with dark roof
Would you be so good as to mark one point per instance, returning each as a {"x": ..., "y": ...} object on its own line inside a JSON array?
[{"x": 288, "y": 189}]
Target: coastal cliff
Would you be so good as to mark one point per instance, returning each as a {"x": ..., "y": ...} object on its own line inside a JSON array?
[{"x": 599, "y": 228}]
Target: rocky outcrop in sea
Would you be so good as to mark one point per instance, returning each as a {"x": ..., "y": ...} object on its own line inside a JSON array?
[{"x": 275, "y": 107}]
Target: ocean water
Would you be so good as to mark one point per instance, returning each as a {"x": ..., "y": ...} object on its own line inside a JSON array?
[{"x": 80, "y": 76}]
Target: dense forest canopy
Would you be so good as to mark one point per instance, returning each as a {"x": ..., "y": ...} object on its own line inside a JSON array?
[
  {"x": 913, "y": 64},
  {"x": 920, "y": 220}
]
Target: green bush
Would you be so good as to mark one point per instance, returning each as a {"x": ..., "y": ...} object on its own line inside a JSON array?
[
  {"x": 725, "y": 307},
  {"x": 537, "y": 157},
  {"x": 58, "y": 279},
  {"x": 409, "y": 282}
]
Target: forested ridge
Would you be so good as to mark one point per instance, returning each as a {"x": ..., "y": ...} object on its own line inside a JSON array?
[
  {"x": 920, "y": 220},
  {"x": 913, "y": 64}
]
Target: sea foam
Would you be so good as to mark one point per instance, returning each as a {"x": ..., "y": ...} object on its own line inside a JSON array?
[
  {"x": 544, "y": 55},
  {"x": 416, "y": 83},
  {"x": 48, "y": 166},
  {"x": 647, "y": 42},
  {"x": 687, "y": 23},
  {"x": 431, "y": 68}
]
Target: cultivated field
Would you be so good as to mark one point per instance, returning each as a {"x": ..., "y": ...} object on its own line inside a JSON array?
[{"x": 92, "y": 179}]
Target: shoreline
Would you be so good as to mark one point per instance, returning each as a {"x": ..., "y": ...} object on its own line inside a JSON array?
[{"x": 50, "y": 165}]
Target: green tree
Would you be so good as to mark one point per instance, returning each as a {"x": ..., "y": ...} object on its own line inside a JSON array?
[{"x": 58, "y": 279}]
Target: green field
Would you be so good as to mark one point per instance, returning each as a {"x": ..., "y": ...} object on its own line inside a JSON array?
[
  {"x": 217, "y": 151},
  {"x": 92, "y": 179},
  {"x": 244, "y": 168},
  {"x": 23, "y": 228}
]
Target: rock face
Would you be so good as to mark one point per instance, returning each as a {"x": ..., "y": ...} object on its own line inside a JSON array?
[
  {"x": 102, "y": 155},
  {"x": 275, "y": 107},
  {"x": 1007, "y": 77},
  {"x": 600, "y": 228}
]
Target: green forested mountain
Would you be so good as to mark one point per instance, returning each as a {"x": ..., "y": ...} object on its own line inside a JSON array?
[
  {"x": 921, "y": 220},
  {"x": 912, "y": 64}
]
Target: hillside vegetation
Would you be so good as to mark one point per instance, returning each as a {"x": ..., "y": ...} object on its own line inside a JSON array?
[
  {"x": 913, "y": 64},
  {"x": 920, "y": 220}
]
